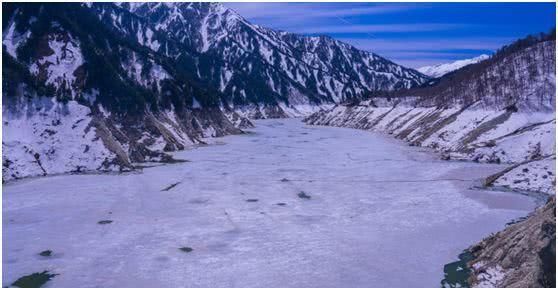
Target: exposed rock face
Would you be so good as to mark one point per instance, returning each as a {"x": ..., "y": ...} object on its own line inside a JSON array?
[{"x": 522, "y": 255}]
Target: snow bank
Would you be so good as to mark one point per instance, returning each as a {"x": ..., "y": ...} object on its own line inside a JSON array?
[
  {"x": 42, "y": 136},
  {"x": 535, "y": 176},
  {"x": 45, "y": 137},
  {"x": 463, "y": 134},
  {"x": 281, "y": 110}
]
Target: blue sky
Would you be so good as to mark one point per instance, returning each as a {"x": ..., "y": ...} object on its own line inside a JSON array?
[{"x": 412, "y": 34}]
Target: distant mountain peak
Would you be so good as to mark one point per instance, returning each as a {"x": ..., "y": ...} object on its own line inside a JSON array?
[
  {"x": 445, "y": 68},
  {"x": 251, "y": 63}
]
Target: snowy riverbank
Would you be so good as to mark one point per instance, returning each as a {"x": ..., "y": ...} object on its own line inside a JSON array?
[
  {"x": 524, "y": 139},
  {"x": 378, "y": 212}
]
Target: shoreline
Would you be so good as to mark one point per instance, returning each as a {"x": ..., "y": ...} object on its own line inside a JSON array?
[{"x": 359, "y": 158}]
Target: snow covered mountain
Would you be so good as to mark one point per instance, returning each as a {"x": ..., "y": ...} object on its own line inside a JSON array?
[
  {"x": 104, "y": 86},
  {"x": 440, "y": 70},
  {"x": 501, "y": 110},
  {"x": 80, "y": 97},
  {"x": 251, "y": 64}
]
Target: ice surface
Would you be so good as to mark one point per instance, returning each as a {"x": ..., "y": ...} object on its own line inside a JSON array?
[{"x": 381, "y": 214}]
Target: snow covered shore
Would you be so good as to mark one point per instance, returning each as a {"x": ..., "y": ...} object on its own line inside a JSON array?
[
  {"x": 287, "y": 205},
  {"x": 465, "y": 134}
]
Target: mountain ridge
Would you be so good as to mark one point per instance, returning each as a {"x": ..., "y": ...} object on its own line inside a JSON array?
[
  {"x": 440, "y": 70},
  {"x": 270, "y": 50}
]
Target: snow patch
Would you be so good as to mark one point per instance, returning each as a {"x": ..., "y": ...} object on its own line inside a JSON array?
[
  {"x": 56, "y": 139},
  {"x": 61, "y": 65},
  {"x": 442, "y": 69}
]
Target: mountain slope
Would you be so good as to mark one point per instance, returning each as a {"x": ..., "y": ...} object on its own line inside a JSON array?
[
  {"x": 252, "y": 64},
  {"x": 78, "y": 96},
  {"x": 500, "y": 110},
  {"x": 440, "y": 70},
  {"x": 103, "y": 87}
]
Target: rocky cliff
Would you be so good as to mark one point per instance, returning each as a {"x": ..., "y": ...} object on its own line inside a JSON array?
[{"x": 522, "y": 255}]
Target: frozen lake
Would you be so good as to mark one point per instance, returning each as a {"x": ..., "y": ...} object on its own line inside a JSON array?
[{"x": 380, "y": 214}]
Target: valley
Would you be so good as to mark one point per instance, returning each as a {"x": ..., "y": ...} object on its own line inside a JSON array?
[
  {"x": 285, "y": 204},
  {"x": 179, "y": 144}
]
